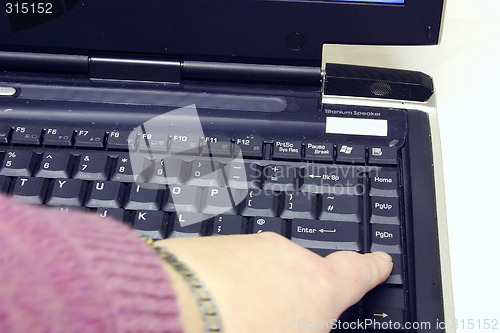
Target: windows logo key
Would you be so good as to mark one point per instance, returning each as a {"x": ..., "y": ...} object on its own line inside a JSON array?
[{"x": 346, "y": 150}]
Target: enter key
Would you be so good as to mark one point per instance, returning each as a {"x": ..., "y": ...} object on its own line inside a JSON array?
[{"x": 314, "y": 234}]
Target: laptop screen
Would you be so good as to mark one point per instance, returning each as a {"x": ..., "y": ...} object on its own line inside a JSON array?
[{"x": 253, "y": 31}]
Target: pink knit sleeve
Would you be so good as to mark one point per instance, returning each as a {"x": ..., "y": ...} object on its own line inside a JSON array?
[{"x": 78, "y": 273}]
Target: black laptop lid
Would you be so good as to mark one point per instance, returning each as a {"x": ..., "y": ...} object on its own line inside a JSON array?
[{"x": 258, "y": 31}]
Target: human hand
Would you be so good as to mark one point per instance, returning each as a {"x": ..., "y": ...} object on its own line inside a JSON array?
[{"x": 266, "y": 283}]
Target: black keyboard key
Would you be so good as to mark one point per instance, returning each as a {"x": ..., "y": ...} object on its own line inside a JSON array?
[
  {"x": 129, "y": 169},
  {"x": 58, "y": 137},
  {"x": 104, "y": 194},
  {"x": 386, "y": 237},
  {"x": 204, "y": 173},
  {"x": 331, "y": 179},
  {"x": 243, "y": 175},
  {"x": 92, "y": 167},
  {"x": 188, "y": 225},
  {"x": 396, "y": 277},
  {"x": 18, "y": 163},
  {"x": 260, "y": 203},
  {"x": 27, "y": 135},
  {"x": 119, "y": 140},
  {"x": 143, "y": 197},
  {"x": 287, "y": 150},
  {"x": 383, "y": 155},
  {"x": 122, "y": 170},
  {"x": 299, "y": 206},
  {"x": 55, "y": 165},
  {"x": 168, "y": 171},
  {"x": 217, "y": 147},
  {"x": 118, "y": 214},
  {"x": 90, "y": 138},
  {"x": 185, "y": 144},
  {"x": 153, "y": 142},
  {"x": 340, "y": 208},
  {"x": 248, "y": 147},
  {"x": 150, "y": 223},
  {"x": 229, "y": 225},
  {"x": 262, "y": 223},
  {"x": 30, "y": 189},
  {"x": 354, "y": 154},
  {"x": 4, "y": 184},
  {"x": 385, "y": 210},
  {"x": 220, "y": 200},
  {"x": 66, "y": 192},
  {"x": 384, "y": 183},
  {"x": 315, "y": 234},
  {"x": 280, "y": 177},
  {"x": 5, "y": 131},
  {"x": 183, "y": 198},
  {"x": 384, "y": 305},
  {"x": 319, "y": 152}
]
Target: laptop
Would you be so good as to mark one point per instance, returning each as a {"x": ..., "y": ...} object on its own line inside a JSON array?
[{"x": 203, "y": 118}]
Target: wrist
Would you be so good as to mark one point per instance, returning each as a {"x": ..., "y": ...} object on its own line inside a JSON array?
[{"x": 189, "y": 310}]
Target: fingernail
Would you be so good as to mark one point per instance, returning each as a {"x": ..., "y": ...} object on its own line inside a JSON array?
[{"x": 383, "y": 255}]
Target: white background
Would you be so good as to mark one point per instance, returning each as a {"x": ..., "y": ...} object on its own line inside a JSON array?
[{"x": 466, "y": 71}]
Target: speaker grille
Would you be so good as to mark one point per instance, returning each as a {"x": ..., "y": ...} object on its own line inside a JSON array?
[{"x": 375, "y": 82}]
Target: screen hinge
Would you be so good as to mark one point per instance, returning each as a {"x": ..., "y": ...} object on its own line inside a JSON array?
[
  {"x": 134, "y": 69},
  {"x": 251, "y": 73}
]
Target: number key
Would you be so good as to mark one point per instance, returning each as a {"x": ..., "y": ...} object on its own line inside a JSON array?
[
  {"x": 129, "y": 169},
  {"x": 92, "y": 167},
  {"x": 18, "y": 163},
  {"x": 204, "y": 173},
  {"x": 55, "y": 165}
]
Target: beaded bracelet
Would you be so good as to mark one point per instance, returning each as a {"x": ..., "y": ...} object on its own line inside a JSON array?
[{"x": 209, "y": 312}]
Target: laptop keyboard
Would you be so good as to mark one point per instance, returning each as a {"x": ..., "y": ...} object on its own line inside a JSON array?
[{"x": 323, "y": 196}]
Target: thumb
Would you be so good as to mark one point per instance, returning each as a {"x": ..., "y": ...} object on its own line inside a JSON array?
[{"x": 355, "y": 274}]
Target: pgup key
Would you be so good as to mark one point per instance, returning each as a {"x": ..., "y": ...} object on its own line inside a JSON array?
[{"x": 385, "y": 210}]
